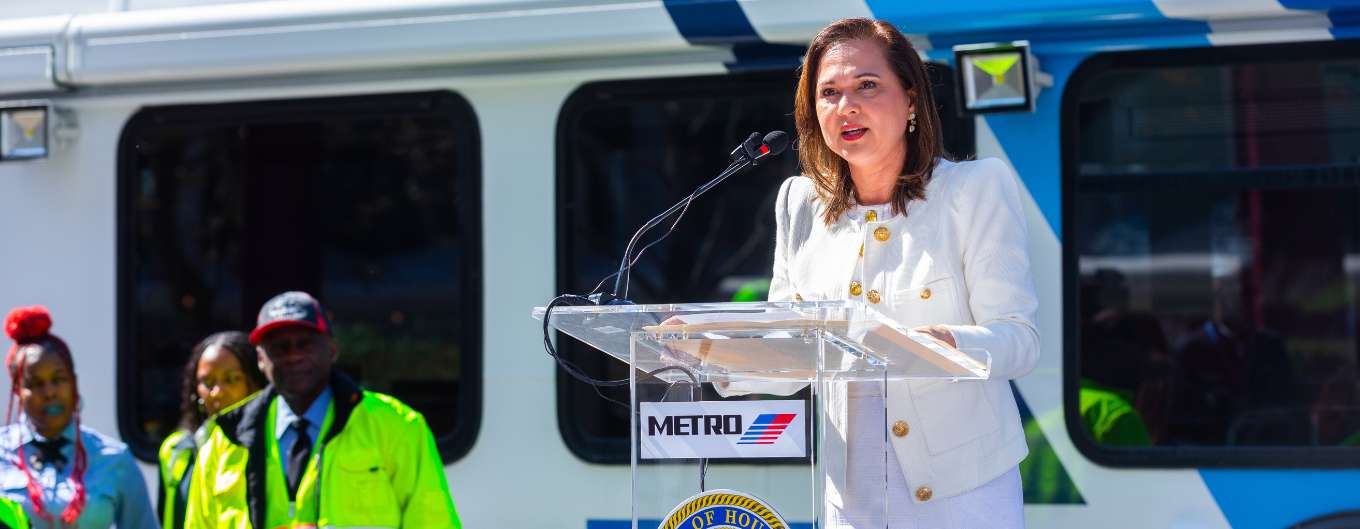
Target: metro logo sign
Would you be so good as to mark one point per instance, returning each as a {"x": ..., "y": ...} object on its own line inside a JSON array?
[
  {"x": 767, "y": 428},
  {"x": 721, "y": 429}
]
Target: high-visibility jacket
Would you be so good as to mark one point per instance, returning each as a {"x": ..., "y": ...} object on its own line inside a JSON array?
[
  {"x": 177, "y": 459},
  {"x": 1110, "y": 417},
  {"x": 375, "y": 465},
  {"x": 12, "y": 515},
  {"x": 177, "y": 455}
]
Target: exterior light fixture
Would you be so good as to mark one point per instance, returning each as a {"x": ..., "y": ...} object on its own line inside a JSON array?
[{"x": 996, "y": 77}]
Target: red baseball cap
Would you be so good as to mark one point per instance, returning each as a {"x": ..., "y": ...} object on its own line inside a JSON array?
[{"x": 290, "y": 309}]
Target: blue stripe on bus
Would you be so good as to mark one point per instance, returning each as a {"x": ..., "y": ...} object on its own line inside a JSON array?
[
  {"x": 1343, "y": 15},
  {"x": 1345, "y": 19},
  {"x": 990, "y": 15},
  {"x": 1033, "y": 144},
  {"x": 1086, "y": 38},
  {"x": 1271, "y": 499},
  {"x": 1318, "y": 5},
  {"x": 724, "y": 23},
  {"x": 712, "y": 22}
]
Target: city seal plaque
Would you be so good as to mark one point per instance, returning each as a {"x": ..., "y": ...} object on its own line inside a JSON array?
[{"x": 723, "y": 509}]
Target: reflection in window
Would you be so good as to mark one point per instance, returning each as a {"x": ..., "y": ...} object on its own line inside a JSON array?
[
  {"x": 1218, "y": 246},
  {"x": 627, "y": 151},
  {"x": 369, "y": 203}
]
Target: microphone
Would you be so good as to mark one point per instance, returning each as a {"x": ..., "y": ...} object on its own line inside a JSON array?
[
  {"x": 774, "y": 144},
  {"x": 747, "y": 150},
  {"x": 756, "y": 150}
]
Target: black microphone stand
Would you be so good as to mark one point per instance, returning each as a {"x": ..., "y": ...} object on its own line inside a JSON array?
[{"x": 744, "y": 156}]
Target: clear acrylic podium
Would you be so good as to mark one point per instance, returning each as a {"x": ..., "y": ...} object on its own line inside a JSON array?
[{"x": 750, "y": 397}]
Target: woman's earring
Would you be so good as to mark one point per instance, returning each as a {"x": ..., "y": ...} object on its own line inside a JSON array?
[{"x": 912, "y": 126}]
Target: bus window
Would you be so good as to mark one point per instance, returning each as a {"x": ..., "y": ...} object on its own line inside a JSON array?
[
  {"x": 371, "y": 203},
  {"x": 628, "y": 150},
  {"x": 1214, "y": 247}
]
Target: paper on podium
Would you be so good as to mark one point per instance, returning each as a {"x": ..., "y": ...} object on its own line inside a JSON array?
[{"x": 744, "y": 342}]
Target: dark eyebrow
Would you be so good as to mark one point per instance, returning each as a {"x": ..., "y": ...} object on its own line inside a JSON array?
[{"x": 860, "y": 76}]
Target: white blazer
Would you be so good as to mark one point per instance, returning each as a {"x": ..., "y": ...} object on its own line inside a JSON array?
[{"x": 957, "y": 258}]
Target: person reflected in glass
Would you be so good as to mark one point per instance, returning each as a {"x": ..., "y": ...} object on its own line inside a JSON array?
[
  {"x": 1123, "y": 352},
  {"x": 1234, "y": 380},
  {"x": 883, "y": 215},
  {"x": 221, "y": 372},
  {"x": 64, "y": 474}
]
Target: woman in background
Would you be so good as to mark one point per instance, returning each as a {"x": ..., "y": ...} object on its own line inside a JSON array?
[
  {"x": 221, "y": 372},
  {"x": 65, "y": 475}
]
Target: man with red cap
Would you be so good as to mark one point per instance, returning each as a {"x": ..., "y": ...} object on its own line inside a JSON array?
[{"x": 313, "y": 449}]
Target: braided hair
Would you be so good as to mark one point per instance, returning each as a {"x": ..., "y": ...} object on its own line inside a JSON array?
[{"x": 28, "y": 327}]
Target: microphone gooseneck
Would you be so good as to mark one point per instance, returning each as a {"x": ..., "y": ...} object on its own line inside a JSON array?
[{"x": 749, "y": 153}]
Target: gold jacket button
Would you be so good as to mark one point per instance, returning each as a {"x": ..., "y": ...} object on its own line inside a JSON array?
[
  {"x": 871, "y": 216},
  {"x": 881, "y": 233},
  {"x": 861, "y": 250},
  {"x": 874, "y": 297},
  {"x": 855, "y": 288},
  {"x": 924, "y": 493},
  {"x": 900, "y": 428},
  {"x": 925, "y": 294}
]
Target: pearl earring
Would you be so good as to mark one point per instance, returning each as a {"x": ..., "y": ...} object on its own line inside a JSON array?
[{"x": 911, "y": 127}]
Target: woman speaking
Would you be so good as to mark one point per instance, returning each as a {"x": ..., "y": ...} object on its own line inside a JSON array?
[{"x": 882, "y": 215}]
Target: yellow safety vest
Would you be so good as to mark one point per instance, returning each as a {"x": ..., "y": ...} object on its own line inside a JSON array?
[
  {"x": 12, "y": 515},
  {"x": 176, "y": 456}
]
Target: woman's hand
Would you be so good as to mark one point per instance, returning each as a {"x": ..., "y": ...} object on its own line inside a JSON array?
[{"x": 939, "y": 332}]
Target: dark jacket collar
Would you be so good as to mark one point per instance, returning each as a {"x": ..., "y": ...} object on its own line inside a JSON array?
[{"x": 245, "y": 426}]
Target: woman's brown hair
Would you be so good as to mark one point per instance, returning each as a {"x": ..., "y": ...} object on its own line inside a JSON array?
[{"x": 924, "y": 147}]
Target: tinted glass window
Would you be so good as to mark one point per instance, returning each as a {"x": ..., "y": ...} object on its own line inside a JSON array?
[
  {"x": 371, "y": 204},
  {"x": 629, "y": 150},
  {"x": 1217, "y": 249}
]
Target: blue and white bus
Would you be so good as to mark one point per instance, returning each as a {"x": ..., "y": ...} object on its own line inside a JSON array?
[{"x": 431, "y": 169}]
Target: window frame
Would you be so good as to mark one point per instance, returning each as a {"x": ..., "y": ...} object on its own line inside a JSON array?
[
  {"x": 443, "y": 103},
  {"x": 1325, "y": 457}
]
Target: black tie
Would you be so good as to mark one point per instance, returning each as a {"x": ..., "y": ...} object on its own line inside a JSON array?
[
  {"x": 298, "y": 456},
  {"x": 49, "y": 452}
]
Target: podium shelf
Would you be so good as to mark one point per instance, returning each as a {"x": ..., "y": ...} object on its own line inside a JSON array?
[{"x": 766, "y": 341}]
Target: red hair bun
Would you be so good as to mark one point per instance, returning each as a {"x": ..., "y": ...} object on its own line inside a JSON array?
[{"x": 28, "y": 323}]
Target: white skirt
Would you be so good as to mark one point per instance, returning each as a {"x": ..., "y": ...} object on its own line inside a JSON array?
[{"x": 997, "y": 504}]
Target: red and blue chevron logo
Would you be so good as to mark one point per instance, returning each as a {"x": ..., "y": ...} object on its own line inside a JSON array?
[{"x": 766, "y": 428}]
